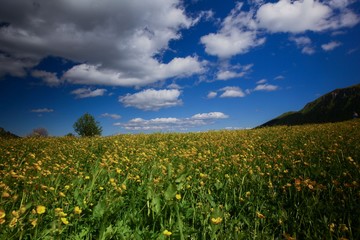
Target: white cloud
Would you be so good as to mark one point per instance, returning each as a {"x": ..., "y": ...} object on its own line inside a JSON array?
[
  {"x": 305, "y": 15},
  {"x": 232, "y": 92},
  {"x": 279, "y": 77},
  {"x": 42, "y": 110},
  {"x": 266, "y": 87},
  {"x": 87, "y": 92},
  {"x": 117, "y": 39},
  {"x": 150, "y": 72},
  {"x": 151, "y": 99},
  {"x": 261, "y": 81},
  {"x": 172, "y": 124},
  {"x": 304, "y": 43},
  {"x": 330, "y": 46},
  {"x": 210, "y": 115},
  {"x": 225, "y": 75},
  {"x": 113, "y": 116},
  {"x": 237, "y": 35},
  {"x": 49, "y": 78},
  {"x": 212, "y": 94},
  {"x": 308, "y": 50}
]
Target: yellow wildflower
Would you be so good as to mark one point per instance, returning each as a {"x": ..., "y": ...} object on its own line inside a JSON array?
[
  {"x": 61, "y": 194},
  {"x": 15, "y": 214},
  {"x": 40, "y": 209},
  {"x": 87, "y": 177},
  {"x": 64, "y": 221},
  {"x": 33, "y": 222},
  {"x": 77, "y": 210},
  {"x": 5, "y": 195},
  {"x": 167, "y": 233},
  {"x": 123, "y": 186},
  {"x": 13, "y": 222},
  {"x": 178, "y": 196},
  {"x": 2, "y": 214},
  {"x": 2, "y": 221},
  {"x": 217, "y": 220},
  {"x": 247, "y": 194},
  {"x": 259, "y": 215},
  {"x": 62, "y": 214},
  {"x": 22, "y": 209},
  {"x": 332, "y": 227}
]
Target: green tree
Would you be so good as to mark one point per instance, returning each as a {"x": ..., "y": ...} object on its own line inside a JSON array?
[{"x": 86, "y": 126}]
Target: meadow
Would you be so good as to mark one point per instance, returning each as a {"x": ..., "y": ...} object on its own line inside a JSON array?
[{"x": 299, "y": 182}]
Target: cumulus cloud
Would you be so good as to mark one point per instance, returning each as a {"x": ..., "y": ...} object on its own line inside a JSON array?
[
  {"x": 42, "y": 110},
  {"x": 49, "y": 78},
  {"x": 305, "y": 15},
  {"x": 238, "y": 34},
  {"x": 114, "y": 41},
  {"x": 151, "y": 99},
  {"x": 241, "y": 31},
  {"x": 87, "y": 92},
  {"x": 172, "y": 124},
  {"x": 232, "y": 92},
  {"x": 330, "y": 46},
  {"x": 109, "y": 115}
]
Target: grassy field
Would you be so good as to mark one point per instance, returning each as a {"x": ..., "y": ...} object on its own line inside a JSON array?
[{"x": 272, "y": 183}]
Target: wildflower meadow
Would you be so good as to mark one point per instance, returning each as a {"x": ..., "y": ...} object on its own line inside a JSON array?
[{"x": 300, "y": 182}]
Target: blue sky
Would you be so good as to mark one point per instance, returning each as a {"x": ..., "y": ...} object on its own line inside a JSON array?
[{"x": 169, "y": 65}]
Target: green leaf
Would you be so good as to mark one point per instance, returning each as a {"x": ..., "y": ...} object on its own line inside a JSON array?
[
  {"x": 99, "y": 210},
  {"x": 170, "y": 192}
]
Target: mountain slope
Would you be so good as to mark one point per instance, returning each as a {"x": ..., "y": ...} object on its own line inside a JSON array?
[
  {"x": 6, "y": 134},
  {"x": 338, "y": 105}
]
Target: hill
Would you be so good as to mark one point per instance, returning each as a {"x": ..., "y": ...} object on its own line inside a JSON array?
[
  {"x": 6, "y": 134},
  {"x": 338, "y": 105}
]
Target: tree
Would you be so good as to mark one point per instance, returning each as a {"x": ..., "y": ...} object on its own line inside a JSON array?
[
  {"x": 39, "y": 132},
  {"x": 86, "y": 126}
]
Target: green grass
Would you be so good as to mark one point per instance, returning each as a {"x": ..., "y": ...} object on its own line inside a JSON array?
[{"x": 271, "y": 183}]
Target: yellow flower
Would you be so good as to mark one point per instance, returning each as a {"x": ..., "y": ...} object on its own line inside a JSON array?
[
  {"x": 40, "y": 209},
  {"x": 62, "y": 214},
  {"x": 33, "y": 222},
  {"x": 13, "y": 222},
  {"x": 64, "y": 221},
  {"x": 77, "y": 210},
  {"x": 259, "y": 215},
  {"x": 15, "y": 214},
  {"x": 67, "y": 187},
  {"x": 2, "y": 221},
  {"x": 178, "y": 196},
  {"x": 247, "y": 194},
  {"x": 217, "y": 220},
  {"x": 123, "y": 186},
  {"x": 167, "y": 233},
  {"x": 5, "y": 195},
  {"x": 2, "y": 214},
  {"x": 87, "y": 177}
]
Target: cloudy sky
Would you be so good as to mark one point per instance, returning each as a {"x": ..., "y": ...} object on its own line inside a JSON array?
[{"x": 170, "y": 65}]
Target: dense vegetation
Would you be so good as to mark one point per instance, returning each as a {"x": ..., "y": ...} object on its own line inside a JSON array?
[{"x": 272, "y": 183}]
